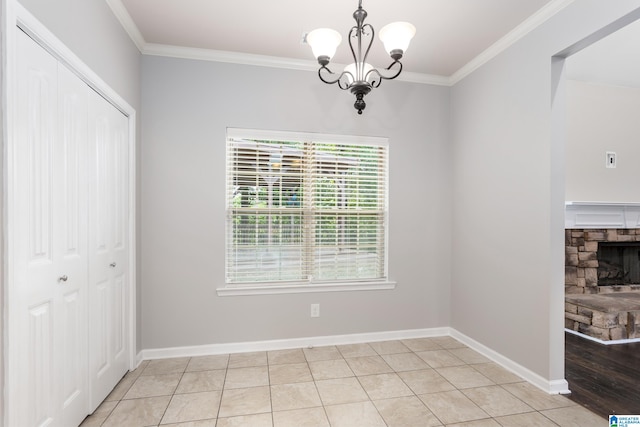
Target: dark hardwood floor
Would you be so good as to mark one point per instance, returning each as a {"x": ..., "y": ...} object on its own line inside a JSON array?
[{"x": 603, "y": 378}]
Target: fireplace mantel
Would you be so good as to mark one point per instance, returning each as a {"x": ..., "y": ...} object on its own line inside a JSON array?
[{"x": 586, "y": 215}]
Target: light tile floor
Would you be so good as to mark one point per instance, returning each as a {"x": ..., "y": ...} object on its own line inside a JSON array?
[{"x": 414, "y": 383}]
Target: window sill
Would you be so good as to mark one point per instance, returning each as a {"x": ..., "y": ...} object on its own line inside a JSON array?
[{"x": 238, "y": 290}]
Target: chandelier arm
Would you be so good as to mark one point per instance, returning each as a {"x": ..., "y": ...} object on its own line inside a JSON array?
[
  {"x": 341, "y": 83},
  {"x": 353, "y": 52},
  {"x": 358, "y": 58},
  {"x": 338, "y": 80},
  {"x": 375, "y": 77},
  {"x": 391, "y": 66},
  {"x": 373, "y": 36},
  {"x": 329, "y": 72}
]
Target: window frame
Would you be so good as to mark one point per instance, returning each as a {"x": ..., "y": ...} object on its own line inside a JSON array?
[{"x": 305, "y": 286}]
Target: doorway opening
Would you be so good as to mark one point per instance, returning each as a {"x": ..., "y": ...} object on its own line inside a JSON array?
[{"x": 591, "y": 80}]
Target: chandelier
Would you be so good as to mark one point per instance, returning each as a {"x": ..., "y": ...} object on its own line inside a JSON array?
[{"x": 360, "y": 77}]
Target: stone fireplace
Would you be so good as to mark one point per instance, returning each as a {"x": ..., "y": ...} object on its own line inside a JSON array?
[
  {"x": 602, "y": 260},
  {"x": 618, "y": 263},
  {"x": 602, "y": 270}
]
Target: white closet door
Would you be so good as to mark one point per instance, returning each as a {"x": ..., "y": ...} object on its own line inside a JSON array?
[
  {"x": 70, "y": 219},
  {"x": 108, "y": 247},
  {"x": 48, "y": 339}
]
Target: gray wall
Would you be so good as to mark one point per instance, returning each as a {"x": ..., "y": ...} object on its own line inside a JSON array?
[
  {"x": 187, "y": 106},
  {"x": 602, "y": 118},
  {"x": 3, "y": 103},
  {"x": 90, "y": 29},
  {"x": 507, "y": 290}
]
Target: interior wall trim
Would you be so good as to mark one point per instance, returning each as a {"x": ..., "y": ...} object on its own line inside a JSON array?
[
  {"x": 286, "y": 344},
  {"x": 153, "y": 49},
  {"x": 548, "y": 386},
  {"x": 602, "y": 342},
  {"x": 583, "y": 215},
  {"x": 530, "y": 24}
]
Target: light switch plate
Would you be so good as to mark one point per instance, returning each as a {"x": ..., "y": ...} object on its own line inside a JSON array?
[
  {"x": 315, "y": 310},
  {"x": 611, "y": 160}
]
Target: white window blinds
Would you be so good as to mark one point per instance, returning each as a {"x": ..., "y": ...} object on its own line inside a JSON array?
[{"x": 305, "y": 208}]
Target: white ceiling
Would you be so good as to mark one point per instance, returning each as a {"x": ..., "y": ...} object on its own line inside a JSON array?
[{"x": 452, "y": 35}]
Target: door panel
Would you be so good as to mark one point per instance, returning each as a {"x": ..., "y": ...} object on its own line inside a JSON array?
[
  {"x": 41, "y": 92},
  {"x": 68, "y": 189},
  {"x": 41, "y": 365},
  {"x": 73, "y": 378},
  {"x": 119, "y": 343},
  {"x": 108, "y": 253},
  {"x": 49, "y": 243},
  {"x": 34, "y": 293},
  {"x": 70, "y": 237}
]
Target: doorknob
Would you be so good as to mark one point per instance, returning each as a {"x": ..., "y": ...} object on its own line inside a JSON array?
[
  {"x": 63, "y": 278},
  {"x": 113, "y": 264}
]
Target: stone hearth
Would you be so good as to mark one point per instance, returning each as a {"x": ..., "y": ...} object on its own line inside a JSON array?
[{"x": 612, "y": 316}]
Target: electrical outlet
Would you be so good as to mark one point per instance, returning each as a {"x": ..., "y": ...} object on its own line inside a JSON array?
[
  {"x": 611, "y": 160},
  {"x": 315, "y": 310}
]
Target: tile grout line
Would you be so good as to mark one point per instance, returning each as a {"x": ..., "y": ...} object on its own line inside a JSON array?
[
  {"x": 224, "y": 381},
  {"x": 377, "y": 353}
]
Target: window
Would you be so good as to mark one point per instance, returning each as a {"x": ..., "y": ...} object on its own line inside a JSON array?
[{"x": 305, "y": 209}]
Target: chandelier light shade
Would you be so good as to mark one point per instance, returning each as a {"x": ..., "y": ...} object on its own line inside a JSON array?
[
  {"x": 360, "y": 77},
  {"x": 351, "y": 71},
  {"x": 396, "y": 37},
  {"x": 324, "y": 42}
]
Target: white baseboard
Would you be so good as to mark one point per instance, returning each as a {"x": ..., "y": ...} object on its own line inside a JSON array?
[
  {"x": 139, "y": 359},
  {"x": 549, "y": 386},
  {"x": 244, "y": 347}
]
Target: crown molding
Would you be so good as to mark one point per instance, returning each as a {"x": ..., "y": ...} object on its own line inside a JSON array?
[
  {"x": 427, "y": 79},
  {"x": 530, "y": 24},
  {"x": 494, "y": 50},
  {"x": 267, "y": 61},
  {"x": 122, "y": 14},
  {"x": 154, "y": 49}
]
